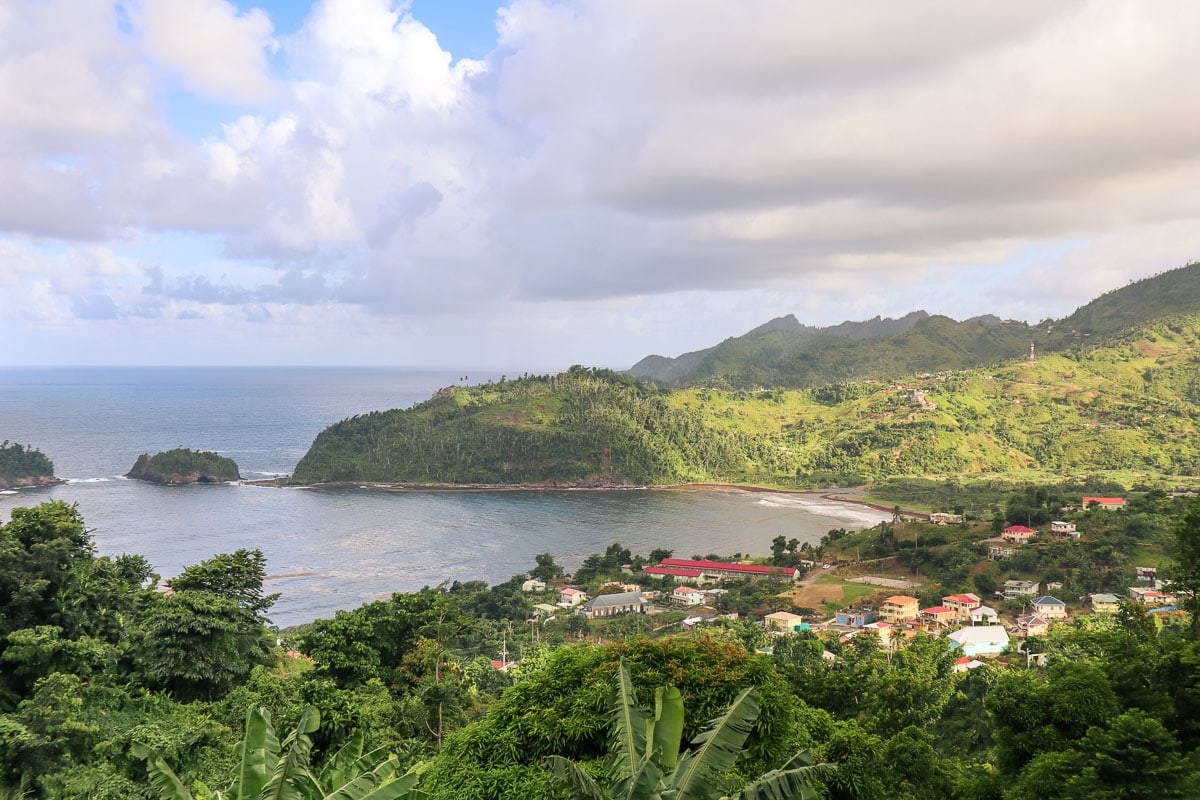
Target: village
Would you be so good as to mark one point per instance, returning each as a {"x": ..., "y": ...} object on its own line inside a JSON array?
[{"x": 977, "y": 627}]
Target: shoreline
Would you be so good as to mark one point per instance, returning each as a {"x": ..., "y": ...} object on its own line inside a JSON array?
[{"x": 832, "y": 494}]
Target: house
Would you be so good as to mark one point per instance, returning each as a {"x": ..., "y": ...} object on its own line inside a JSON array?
[
  {"x": 854, "y": 617},
  {"x": 985, "y": 640},
  {"x": 728, "y": 569},
  {"x": 936, "y": 617},
  {"x": 1146, "y": 573},
  {"x": 533, "y": 585},
  {"x": 1151, "y": 597},
  {"x": 1032, "y": 625},
  {"x": 942, "y": 518},
  {"x": 881, "y": 629},
  {"x": 502, "y": 666},
  {"x": 1053, "y": 586},
  {"x": 999, "y": 552},
  {"x": 962, "y": 604},
  {"x": 1067, "y": 529},
  {"x": 1105, "y": 502},
  {"x": 966, "y": 663},
  {"x": 783, "y": 622},
  {"x": 1049, "y": 608},
  {"x": 1105, "y": 603},
  {"x": 571, "y": 597},
  {"x": 544, "y": 610},
  {"x": 613, "y": 605},
  {"x": 687, "y": 596},
  {"x": 1018, "y": 534},
  {"x": 899, "y": 608},
  {"x": 1015, "y": 588},
  {"x": 984, "y": 615}
]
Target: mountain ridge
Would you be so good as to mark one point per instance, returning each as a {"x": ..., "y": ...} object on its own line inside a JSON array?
[{"x": 787, "y": 353}]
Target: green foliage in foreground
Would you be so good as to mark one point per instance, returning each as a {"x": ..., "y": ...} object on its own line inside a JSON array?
[
  {"x": 269, "y": 770},
  {"x": 18, "y": 462},
  {"x": 644, "y": 761},
  {"x": 1114, "y": 714},
  {"x": 182, "y": 465},
  {"x": 1130, "y": 407}
]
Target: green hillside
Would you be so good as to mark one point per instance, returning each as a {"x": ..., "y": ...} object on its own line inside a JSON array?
[
  {"x": 1129, "y": 406},
  {"x": 785, "y": 354}
]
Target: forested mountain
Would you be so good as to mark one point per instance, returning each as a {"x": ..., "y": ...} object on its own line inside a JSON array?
[
  {"x": 785, "y": 354},
  {"x": 1128, "y": 403}
]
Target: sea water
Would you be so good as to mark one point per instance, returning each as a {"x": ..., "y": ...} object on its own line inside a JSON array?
[{"x": 336, "y": 549}]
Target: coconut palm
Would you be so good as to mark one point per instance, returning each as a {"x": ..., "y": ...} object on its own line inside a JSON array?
[
  {"x": 644, "y": 760},
  {"x": 274, "y": 771}
]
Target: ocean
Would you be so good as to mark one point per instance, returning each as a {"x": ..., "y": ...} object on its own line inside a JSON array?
[{"x": 328, "y": 550}]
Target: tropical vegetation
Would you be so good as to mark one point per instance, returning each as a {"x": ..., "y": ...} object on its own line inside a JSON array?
[
  {"x": 22, "y": 465},
  {"x": 117, "y": 685},
  {"x": 1127, "y": 408},
  {"x": 183, "y": 465}
]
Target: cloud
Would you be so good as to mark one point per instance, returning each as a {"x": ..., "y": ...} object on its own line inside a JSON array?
[
  {"x": 219, "y": 52},
  {"x": 94, "y": 307},
  {"x": 840, "y": 161}
]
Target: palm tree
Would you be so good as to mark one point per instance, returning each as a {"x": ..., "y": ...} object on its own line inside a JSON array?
[
  {"x": 645, "y": 763},
  {"x": 268, "y": 769}
]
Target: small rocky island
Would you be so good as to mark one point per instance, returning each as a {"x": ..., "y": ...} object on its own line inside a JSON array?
[
  {"x": 182, "y": 466},
  {"x": 22, "y": 466}
]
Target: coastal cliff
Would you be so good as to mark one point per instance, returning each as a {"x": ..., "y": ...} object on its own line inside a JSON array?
[{"x": 182, "y": 466}]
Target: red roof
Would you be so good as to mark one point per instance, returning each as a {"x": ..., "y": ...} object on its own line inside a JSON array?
[
  {"x": 937, "y": 610},
  {"x": 1019, "y": 529},
  {"x": 962, "y": 598},
  {"x": 725, "y": 566},
  {"x": 1105, "y": 501},
  {"x": 678, "y": 573},
  {"x": 964, "y": 660}
]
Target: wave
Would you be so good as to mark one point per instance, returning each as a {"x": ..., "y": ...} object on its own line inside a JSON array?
[
  {"x": 8, "y": 491},
  {"x": 89, "y": 480},
  {"x": 847, "y": 512}
]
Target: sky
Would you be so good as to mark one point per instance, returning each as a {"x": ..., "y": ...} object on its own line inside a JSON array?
[{"x": 539, "y": 183}]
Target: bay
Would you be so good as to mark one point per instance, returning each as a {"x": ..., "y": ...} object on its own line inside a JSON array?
[{"x": 328, "y": 550}]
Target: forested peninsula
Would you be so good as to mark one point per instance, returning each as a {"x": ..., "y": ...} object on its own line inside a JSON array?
[
  {"x": 24, "y": 466},
  {"x": 182, "y": 466},
  {"x": 1127, "y": 405}
]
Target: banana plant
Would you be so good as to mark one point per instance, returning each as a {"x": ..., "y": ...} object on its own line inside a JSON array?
[
  {"x": 644, "y": 760},
  {"x": 270, "y": 770}
]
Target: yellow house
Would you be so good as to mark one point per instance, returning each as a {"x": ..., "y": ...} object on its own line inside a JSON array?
[
  {"x": 782, "y": 621},
  {"x": 899, "y": 608}
]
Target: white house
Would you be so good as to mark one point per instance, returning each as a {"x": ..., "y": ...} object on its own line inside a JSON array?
[
  {"x": 1015, "y": 588},
  {"x": 687, "y": 595},
  {"x": 984, "y": 615},
  {"x": 571, "y": 597},
  {"x": 984, "y": 640},
  {"x": 533, "y": 585}
]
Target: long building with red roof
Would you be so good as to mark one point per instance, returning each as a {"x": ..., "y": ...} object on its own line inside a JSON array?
[{"x": 726, "y": 569}]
